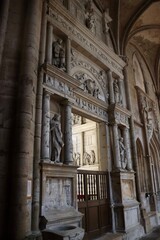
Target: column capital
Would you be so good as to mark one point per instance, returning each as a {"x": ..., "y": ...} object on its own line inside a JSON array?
[
  {"x": 109, "y": 72},
  {"x": 46, "y": 92},
  {"x": 67, "y": 102}
]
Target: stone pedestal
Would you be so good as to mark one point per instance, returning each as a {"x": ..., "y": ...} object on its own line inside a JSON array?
[
  {"x": 126, "y": 207},
  {"x": 59, "y": 195}
]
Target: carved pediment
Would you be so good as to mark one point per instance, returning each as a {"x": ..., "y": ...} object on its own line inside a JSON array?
[{"x": 90, "y": 85}]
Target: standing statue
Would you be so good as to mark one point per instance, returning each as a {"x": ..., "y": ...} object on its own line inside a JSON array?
[
  {"x": 116, "y": 91},
  {"x": 90, "y": 21},
  {"x": 58, "y": 54},
  {"x": 56, "y": 138},
  {"x": 90, "y": 17},
  {"x": 122, "y": 153}
]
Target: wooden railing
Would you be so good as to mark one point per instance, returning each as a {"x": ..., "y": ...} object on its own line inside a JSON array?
[{"x": 92, "y": 185}]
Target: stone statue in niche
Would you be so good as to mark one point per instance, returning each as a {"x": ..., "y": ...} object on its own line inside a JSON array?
[
  {"x": 122, "y": 150},
  {"x": 90, "y": 21},
  {"x": 116, "y": 91},
  {"x": 58, "y": 54},
  {"x": 56, "y": 138},
  {"x": 90, "y": 17}
]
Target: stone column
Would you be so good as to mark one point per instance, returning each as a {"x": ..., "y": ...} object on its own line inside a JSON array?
[
  {"x": 111, "y": 91},
  {"x": 21, "y": 168},
  {"x": 68, "y": 57},
  {"x": 46, "y": 127},
  {"x": 108, "y": 148},
  {"x": 49, "y": 43},
  {"x": 120, "y": 81},
  {"x": 127, "y": 90},
  {"x": 38, "y": 129},
  {"x": 127, "y": 146},
  {"x": 68, "y": 145},
  {"x": 117, "y": 162}
]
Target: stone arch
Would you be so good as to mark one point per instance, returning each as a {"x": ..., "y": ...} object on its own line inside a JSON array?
[{"x": 155, "y": 160}]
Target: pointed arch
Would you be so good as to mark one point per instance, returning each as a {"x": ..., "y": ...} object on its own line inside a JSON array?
[{"x": 155, "y": 159}]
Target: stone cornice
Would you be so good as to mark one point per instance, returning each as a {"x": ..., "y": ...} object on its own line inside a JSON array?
[
  {"x": 119, "y": 115},
  {"x": 60, "y": 17},
  {"x": 63, "y": 76},
  {"x": 117, "y": 108}
]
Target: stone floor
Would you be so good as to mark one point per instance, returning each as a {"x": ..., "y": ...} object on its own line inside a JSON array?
[
  {"x": 111, "y": 236},
  {"x": 154, "y": 235}
]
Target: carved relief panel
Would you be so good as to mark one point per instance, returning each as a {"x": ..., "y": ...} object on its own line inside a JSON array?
[{"x": 93, "y": 79}]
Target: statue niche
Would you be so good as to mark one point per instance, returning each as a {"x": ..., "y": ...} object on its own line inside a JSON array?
[
  {"x": 123, "y": 158},
  {"x": 90, "y": 16},
  {"x": 58, "y": 54},
  {"x": 56, "y": 138}
]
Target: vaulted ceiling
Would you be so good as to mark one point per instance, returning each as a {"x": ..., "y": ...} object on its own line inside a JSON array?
[{"x": 137, "y": 22}]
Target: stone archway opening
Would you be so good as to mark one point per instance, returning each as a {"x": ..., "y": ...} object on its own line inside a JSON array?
[{"x": 89, "y": 144}]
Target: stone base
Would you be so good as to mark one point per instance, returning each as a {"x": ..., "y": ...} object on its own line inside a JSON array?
[
  {"x": 134, "y": 234},
  {"x": 150, "y": 220},
  {"x": 34, "y": 236},
  {"x": 66, "y": 232}
]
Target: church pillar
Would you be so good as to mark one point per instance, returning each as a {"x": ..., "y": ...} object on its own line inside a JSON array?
[
  {"x": 23, "y": 146},
  {"x": 38, "y": 129},
  {"x": 46, "y": 127},
  {"x": 68, "y": 145},
  {"x": 49, "y": 43},
  {"x": 108, "y": 148},
  {"x": 68, "y": 58},
  {"x": 117, "y": 162},
  {"x": 111, "y": 91},
  {"x": 3, "y": 24},
  {"x": 127, "y": 146}
]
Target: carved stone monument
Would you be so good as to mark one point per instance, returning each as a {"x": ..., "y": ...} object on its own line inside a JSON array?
[{"x": 59, "y": 205}]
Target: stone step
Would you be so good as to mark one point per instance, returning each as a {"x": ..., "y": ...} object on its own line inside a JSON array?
[{"x": 111, "y": 236}]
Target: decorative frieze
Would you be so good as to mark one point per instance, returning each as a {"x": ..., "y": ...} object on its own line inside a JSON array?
[{"x": 79, "y": 98}]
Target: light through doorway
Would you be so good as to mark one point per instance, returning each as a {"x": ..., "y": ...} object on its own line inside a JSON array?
[{"x": 85, "y": 143}]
